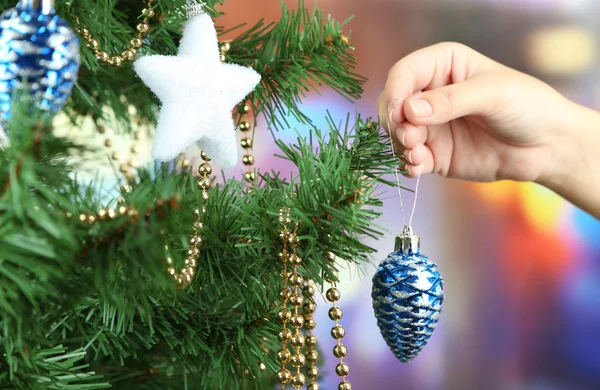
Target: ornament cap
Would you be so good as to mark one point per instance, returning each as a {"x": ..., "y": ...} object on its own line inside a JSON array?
[
  {"x": 408, "y": 241},
  {"x": 195, "y": 8},
  {"x": 46, "y": 7}
]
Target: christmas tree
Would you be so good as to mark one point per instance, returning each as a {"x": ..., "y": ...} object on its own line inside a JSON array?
[{"x": 170, "y": 280}]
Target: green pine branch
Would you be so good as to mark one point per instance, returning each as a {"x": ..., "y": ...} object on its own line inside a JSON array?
[{"x": 116, "y": 300}]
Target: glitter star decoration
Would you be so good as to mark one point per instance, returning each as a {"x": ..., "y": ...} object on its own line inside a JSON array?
[{"x": 198, "y": 93}]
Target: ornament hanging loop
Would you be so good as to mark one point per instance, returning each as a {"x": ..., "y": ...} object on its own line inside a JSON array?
[{"x": 412, "y": 214}]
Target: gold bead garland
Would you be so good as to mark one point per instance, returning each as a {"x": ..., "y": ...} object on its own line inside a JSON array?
[
  {"x": 244, "y": 125},
  {"x": 311, "y": 340},
  {"x": 292, "y": 297},
  {"x": 126, "y": 55},
  {"x": 338, "y": 332},
  {"x": 125, "y": 168},
  {"x": 184, "y": 277},
  {"x": 246, "y": 142}
]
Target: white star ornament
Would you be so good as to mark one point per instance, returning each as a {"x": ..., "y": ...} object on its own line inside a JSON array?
[{"x": 198, "y": 94}]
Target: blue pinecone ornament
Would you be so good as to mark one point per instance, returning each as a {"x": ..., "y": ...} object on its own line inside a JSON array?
[
  {"x": 38, "y": 50},
  {"x": 408, "y": 295}
]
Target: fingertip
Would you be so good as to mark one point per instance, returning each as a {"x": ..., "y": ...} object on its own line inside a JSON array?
[
  {"x": 396, "y": 106},
  {"x": 416, "y": 155},
  {"x": 409, "y": 135}
]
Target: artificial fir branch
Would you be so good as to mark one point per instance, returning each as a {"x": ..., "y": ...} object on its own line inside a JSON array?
[
  {"x": 119, "y": 303},
  {"x": 302, "y": 52}
]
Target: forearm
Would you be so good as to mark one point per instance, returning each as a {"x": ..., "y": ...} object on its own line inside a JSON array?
[{"x": 575, "y": 174}]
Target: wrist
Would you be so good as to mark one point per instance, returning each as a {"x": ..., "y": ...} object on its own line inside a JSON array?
[{"x": 574, "y": 169}]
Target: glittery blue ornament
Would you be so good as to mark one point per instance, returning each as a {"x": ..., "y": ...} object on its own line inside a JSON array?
[
  {"x": 408, "y": 295},
  {"x": 39, "y": 52}
]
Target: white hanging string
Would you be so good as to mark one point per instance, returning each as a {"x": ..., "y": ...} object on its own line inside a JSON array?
[{"x": 412, "y": 214}]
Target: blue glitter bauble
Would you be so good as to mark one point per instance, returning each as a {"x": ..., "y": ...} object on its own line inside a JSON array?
[
  {"x": 39, "y": 50},
  {"x": 408, "y": 294}
]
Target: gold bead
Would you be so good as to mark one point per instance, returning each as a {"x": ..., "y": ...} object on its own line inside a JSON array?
[
  {"x": 330, "y": 257},
  {"x": 111, "y": 213},
  {"x": 100, "y": 129},
  {"x": 297, "y": 320},
  {"x": 108, "y": 143},
  {"x": 172, "y": 270},
  {"x": 124, "y": 168},
  {"x": 93, "y": 43},
  {"x": 338, "y": 332},
  {"x": 285, "y": 335},
  {"x": 115, "y": 156},
  {"x": 284, "y": 356},
  {"x": 296, "y": 301},
  {"x": 342, "y": 369},
  {"x": 128, "y": 54},
  {"x": 284, "y": 315},
  {"x": 298, "y": 340},
  {"x": 284, "y": 376},
  {"x": 250, "y": 176},
  {"x": 149, "y": 13},
  {"x": 285, "y": 294},
  {"x": 345, "y": 386},
  {"x": 313, "y": 372},
  {"x": 137, "y": 42},
  {"x": 333, "y": 294},
  {"x": 335, "y": 313},
  {"x": 123, "y": 210},
  {"x": 205, "y": 169},
  {"x": 293, "y": 239},
  {"x": 143, "y": 28},
  {"x": 204, "y": 156},
  {"x": 312, "y": 356},
  {"x": 309, "y": 307},
  {"x": 204, "y": 183},
  {"x": 222, "y": 57},
  {"x": 246, "y": 143},
  {"x": 102, "y": 214},
  {"x": 116, "y": 61},
  {"x": 295, "y": 260},
  {"x": 205, "y": 195},
  {"x": 225, "y": 46},
  {"x": 285, "y": 274},
  {"x": 245, "y": 126},
  {"x": 138, "y": 135},
  {"x": 308, "y": 291},
  {"x": 244, "y": 108},
  {"x": 262, "y": 366},
  {"x": 194, "y": 252},
  {"x": 311, "y": 341},
  {"x": 298, "y": 360},
  {"x": 313, "y": 386},
  {"x": 248, "y": 159},
  {"x": 102, "y": 56},
  {"x": 298, "y": 381},
  {"x": 340, "y": 351},
  {"x": 296, "y": 280},
  {"x": 91, "y": 219},
  {"x": 310, "y": 323},
  {"x": 134, "y": 149},
  {"x": 84, "y": 31}
]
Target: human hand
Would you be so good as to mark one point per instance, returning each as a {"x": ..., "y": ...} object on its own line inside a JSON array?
[{"x": 465, "y": 116}]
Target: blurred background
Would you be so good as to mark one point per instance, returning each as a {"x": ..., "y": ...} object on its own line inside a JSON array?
[{"x": 522, "y": 267}]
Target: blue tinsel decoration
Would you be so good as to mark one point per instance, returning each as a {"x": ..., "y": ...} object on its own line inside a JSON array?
[
  {"x": 39, "y": 50},
  {"x": 408, "y": 294}
]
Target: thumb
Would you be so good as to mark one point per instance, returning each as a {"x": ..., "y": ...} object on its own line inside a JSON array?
[{"x": 447, "y": 103}]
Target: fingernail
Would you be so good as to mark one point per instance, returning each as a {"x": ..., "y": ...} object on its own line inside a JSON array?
[
  {"x": 403, "y": 137},
  {"x": 422, "y": 108},
  {"x": 409, "y": 157}
]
